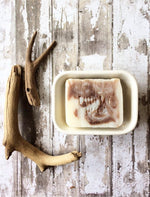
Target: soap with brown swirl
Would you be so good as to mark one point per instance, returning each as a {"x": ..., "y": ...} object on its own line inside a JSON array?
[{"x": 94, "y": 103}]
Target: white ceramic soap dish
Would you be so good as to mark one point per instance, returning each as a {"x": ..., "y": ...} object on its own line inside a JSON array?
[{"x": 130, "y": 102}]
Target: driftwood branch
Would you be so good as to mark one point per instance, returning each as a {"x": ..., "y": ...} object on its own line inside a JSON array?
[
  {"x": 30, "y": 69},
  {"x": 12, "y": 138}
]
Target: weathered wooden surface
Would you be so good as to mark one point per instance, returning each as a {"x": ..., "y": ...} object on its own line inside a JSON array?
[
  {"x": 91, "y": 35},
  {"x": 131, "y": 37},
  {"x": 95, "y": 53}
]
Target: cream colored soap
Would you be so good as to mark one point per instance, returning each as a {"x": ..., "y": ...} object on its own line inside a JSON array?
[{"x": 94, "y": 103}]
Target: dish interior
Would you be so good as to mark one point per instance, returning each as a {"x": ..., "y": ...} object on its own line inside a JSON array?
[{"x": 130, "y": 102}]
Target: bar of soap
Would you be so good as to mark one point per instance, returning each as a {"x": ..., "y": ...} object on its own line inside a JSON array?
[{"x": 94, "y": 103}]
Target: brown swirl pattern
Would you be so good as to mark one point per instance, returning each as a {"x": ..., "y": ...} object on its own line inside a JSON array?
[{"x": 100, "y": 94}]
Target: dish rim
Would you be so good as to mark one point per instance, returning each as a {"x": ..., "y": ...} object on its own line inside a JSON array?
[{"x": 97, "y": 131}]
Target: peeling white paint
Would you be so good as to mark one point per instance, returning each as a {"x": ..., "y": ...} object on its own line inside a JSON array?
[
  {"x": 95, "y": 173},
  {"x": 68, "y": 184},
  {"x": 45, "y": 20},
  {"x": 94, "y": 176},
  {"x": 1, "y": 36},
  {"x": 65, "y": 23},
  {"x": 93, "y": 62},
  {"x": 6, "y": 171},
  {"x": 44, "y": 80},
  {"x": 58, "y": 171},
  {"x": 138, "y": 21},
  {"x": 94, "y": 8},
  {"x": 67, "y": 60},
  {"x": 92, "y": 38},
  {"x": 128, "y": 20},
  {"x": 65, "y": 12},
  {"x": 41, "y": 115},
  {"x": 23, "y": 11}
]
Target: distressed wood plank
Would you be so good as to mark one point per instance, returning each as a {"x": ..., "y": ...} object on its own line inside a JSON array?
[
  {"x": 131, "y": 44},
  {"x": 35, "y": 122},
  {"x": 65, "y": 30},
  {"x": 95, "y": 54},
  {"x": 131, "y": 36},
  {"x": 148, "y": 120},
  {"x": 7, "y": 171}
]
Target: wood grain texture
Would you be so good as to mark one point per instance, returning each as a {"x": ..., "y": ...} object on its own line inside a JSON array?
[
  {"x": 36, "y": 128},
  {"x": 7, "y": 178},
  {"x": 95, "y": 54},
  {"x": 91, "y": 35},
  {"x": 148, "y": 120},
  {"x": 65, "y": 32},
  {"x": 131, "y": 37}
]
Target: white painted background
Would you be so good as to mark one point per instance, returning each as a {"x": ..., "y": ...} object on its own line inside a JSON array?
[{"x": 91, "y": 34}]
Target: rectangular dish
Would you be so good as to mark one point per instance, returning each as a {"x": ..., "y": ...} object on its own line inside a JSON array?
[{"x": 130, "y": 104}]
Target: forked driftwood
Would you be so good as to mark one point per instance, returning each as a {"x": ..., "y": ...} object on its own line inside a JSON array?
[
  {"x": 12, "y": 138},
  {"x": 30, "y": 69}
]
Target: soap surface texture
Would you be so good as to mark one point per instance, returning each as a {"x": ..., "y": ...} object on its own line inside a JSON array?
[{"x": 94, "y": 103}]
